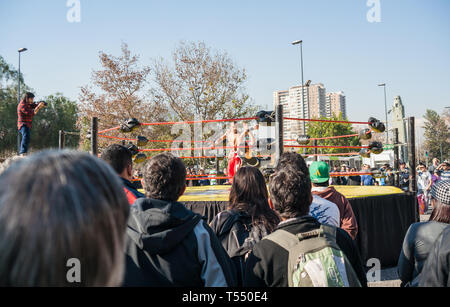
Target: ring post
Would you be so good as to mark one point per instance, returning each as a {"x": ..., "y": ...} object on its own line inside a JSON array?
[
  {"x": 396, "y": 158},
  {"x": 62, "y": 140},
  {"x": 412, "y": 161},
  {"x": 94, "y": 136},
  {"x": 279, "y": 132},
  {"x": 316, "y": 151}
]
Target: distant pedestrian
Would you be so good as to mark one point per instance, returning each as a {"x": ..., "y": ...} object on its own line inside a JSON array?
[
  {"x": 367, "y": 179},
  {"x": 354, "y": 180},
  {"x": 434, "y": 165},
  {"x": 403, "y": 176},
  {"x": 444, "y": 169},
  {"x": 423, "y": 183}
]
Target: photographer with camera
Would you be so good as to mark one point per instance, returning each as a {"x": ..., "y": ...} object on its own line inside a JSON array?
[{"x": 26, "y": 110}]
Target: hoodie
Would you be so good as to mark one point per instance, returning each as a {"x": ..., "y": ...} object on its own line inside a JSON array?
[
  {"x": 169, "y": 245},
  {"x": 348, "y": 219}
]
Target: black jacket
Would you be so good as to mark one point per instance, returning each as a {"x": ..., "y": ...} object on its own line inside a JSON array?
[
  {"x": 267, "y": 264},
  {"x": 169, "y": 245},
  {"x": 435, "y": 272},
  {"x": 238, "y": 235},
  {"x": 417, "y": 245},
  {"x": 354, "y": 180},
  {"x": 130, "y": 191}
]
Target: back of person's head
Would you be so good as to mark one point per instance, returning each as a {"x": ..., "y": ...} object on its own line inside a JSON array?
[
  {"x": 118, "y": 156},
  {"x": 249, "y": 194},
  {"x": 440, "y": 194},
  {"x": 164, "y": 177},
  {"x": 58, "y": 209},
  {"x": 290, "y": 192},
  {"x": 8, "y": 162},
  {"x": 319, "y": 172},
  {"x": 292, "y": 159}
]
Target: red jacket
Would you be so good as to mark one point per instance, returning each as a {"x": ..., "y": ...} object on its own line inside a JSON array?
[
  {"x": 348, "y": 219},
  {"x": 25, "y": 114}
]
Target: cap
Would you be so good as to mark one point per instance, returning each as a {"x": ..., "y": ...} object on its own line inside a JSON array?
[
  {"x": 319, "y": 172},
  {"x": 441, "y": 191}
]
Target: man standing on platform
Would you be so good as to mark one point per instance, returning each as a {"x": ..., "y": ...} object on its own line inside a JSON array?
[{"x": 26, "y": 110}]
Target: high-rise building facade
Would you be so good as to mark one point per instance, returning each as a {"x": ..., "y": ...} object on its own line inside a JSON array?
[
  {"x": 335, "y": 104},
  {"x": 314, "y": 103},
  {"x": 309, "y": 105}
]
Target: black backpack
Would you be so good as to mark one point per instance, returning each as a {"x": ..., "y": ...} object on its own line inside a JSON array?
[{"x": 237, "y": 235}]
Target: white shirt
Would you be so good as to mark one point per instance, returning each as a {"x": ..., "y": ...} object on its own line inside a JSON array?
[
  {"x": 423, "y": 180},
  {"x": 325, "y": 211}
]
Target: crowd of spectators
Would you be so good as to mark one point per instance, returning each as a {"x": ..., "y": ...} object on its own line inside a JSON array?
[{"x": 57, "y": 206}]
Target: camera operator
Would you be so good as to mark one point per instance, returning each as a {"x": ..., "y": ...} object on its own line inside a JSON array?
[{"x": 26, "y": 110}]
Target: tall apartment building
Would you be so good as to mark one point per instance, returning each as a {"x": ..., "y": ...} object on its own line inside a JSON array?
[
  {"x": 310, "y": 104},
  {"x": 335, "y": 104}
]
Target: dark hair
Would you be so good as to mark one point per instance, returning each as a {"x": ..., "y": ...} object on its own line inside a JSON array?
[
  {"x": 441, "y": 212},
  {"x": 249, "y": 194},
  {"x": 290, "y": 192},
  {"x": 321, "y": 184},
  {"x": 118, "y": 156},
  {"x": 27, "y": 95},
  {"x": 292, "y": 159},
  {"x": 164, "y": 177},
  {"x": 57, "y": 206}
]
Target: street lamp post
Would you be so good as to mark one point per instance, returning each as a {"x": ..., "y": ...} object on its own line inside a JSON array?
[
  {"x": 18, "y": 94},
  {"x": 385, "y": 111},
  {"x": 300, "y": 42}
]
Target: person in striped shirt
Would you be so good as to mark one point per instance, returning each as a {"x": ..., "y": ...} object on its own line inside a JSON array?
[{"x": 445, "y": 171}]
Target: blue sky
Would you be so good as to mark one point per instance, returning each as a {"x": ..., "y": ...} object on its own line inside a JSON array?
[{"x": 408, "y": 49}]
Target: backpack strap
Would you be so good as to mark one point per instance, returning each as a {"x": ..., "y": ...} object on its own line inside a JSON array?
[
  {"x": 329, "y": 231},
  {"x": 283, "y": 238}
]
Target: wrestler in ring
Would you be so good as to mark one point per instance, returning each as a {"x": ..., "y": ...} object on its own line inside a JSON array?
[{"x": 234, "y": 140}]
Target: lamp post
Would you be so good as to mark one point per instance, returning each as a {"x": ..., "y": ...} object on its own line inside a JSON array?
[
  {"x": 385, "y": 111},
  {"x": 305, "y": 114},
  {"x": 18, "y": 94}
]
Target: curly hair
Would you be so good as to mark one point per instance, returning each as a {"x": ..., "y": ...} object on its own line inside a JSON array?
[
  {"x": 164, "y": 177},
  {"x": 292, "y": 159},
  {"x": 290, "y": 192}
]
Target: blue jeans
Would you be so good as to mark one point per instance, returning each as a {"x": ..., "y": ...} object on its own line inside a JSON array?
[{"x": 25, "y": 132}]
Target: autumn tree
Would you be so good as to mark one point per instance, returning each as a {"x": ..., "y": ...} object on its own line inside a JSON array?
[
  {"x": 436, "y": 134},
  {"x": 201, "y": 83},
  {"x": 118, "y": 91}
]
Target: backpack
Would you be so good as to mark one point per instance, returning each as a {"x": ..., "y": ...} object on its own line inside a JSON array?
[
  {"x": 241, "y": 235},
  {"x": 315, "y": 259},
  {"x": 238, "y": 236}
]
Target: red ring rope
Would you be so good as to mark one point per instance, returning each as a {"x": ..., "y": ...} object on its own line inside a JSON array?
[
  {"x": 194, "y": 148},
  {"x": 326, "y": 121},
  {"x": 335, "y": 154},
  {"x": 307, "y": 146}
]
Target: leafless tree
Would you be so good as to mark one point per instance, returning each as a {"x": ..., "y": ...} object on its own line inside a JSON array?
[
  {"x": 118, "y": 92},
  {"x": 201, "y": 83}
]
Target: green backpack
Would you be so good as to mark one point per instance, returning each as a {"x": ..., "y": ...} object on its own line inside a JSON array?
[{"x": 315, "y": 259}]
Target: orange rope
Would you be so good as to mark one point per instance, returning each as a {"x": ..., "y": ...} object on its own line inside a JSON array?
[{"x": 326, "y": 121}]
